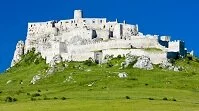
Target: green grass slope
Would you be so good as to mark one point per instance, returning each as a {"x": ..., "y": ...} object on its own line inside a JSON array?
[{"x": 71, "y": 88}]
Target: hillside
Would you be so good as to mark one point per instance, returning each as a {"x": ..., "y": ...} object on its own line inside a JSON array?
[{"x": 88, "y": 86}]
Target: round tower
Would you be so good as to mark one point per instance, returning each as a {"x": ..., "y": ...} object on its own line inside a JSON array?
[{"x": 78, "y": 14}]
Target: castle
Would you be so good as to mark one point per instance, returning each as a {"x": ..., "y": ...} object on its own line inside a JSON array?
[{"x": 81, "y": 38}]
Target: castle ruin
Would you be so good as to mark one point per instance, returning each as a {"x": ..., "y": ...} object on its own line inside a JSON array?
[{"x": 81, "y": 38}]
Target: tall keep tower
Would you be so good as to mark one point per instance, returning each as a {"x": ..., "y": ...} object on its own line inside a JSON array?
[{"x": 78, "y": 14}]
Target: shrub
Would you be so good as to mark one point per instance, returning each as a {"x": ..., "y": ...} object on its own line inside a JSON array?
[
  {"x": 109, "y": 64},
  {"x": 36, "y": 61},
  {"x": 119, "y": 56},
  {"x": 28, "y": 94},
  {"x": 33, "y": 99},
  {"x": 0, "y": 92},
  {"x": 46, "y": 98},
  {"x": 31, "y": 58},
  {"x": 165, "y": 98},
  {"x": 14, "y": 99},
  {"x": 127, "y": 97},
  {"x": 151, "y": 98},
  {"x": 173, "y": 99},
  {"x": 88, "y": 62},
  {"x": 172, "y": 61},
  {"x": 193, "y": 73},
  {"x": 38, "y": 90},
  {"x": 63, "y": 98},
  {"x": 10, "y": 99},
  {"x": 36, "y": 95},
  {"x": 55, "y": 98}
]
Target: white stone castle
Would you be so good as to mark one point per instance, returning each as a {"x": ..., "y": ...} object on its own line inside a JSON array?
[{"x": 81, "y": 38}]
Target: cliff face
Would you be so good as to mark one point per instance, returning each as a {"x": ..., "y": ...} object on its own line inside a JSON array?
[{"x": 19, "y": 51}]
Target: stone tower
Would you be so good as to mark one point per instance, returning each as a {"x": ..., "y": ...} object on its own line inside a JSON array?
[{"x": 78, "y": 14}]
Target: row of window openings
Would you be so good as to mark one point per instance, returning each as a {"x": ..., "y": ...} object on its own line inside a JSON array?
[
  {"x": 72, "y": 22},
  {"x": 75, "y": 25},
  {"x": 35, "y": 25},
  {"x": 83, "y": 21}
]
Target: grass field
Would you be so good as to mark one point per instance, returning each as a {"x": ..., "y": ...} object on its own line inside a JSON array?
[{"x": 71, "y": 89}]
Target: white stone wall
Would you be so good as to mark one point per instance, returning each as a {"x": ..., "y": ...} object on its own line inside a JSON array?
[
  {"x": 77, "y": 57},
  {"x": 156, "y": 57},
  {"x": 104, "y": 34}
]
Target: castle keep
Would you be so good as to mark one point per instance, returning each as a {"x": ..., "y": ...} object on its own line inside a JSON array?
[{"x": 81, "y": 38}]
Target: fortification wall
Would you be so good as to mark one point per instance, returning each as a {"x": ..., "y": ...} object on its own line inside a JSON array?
[
  {"x": 104, "y": 34},
  {"x": 77, "y": 57},
  {"x": 156, "y": 57},
  {"x": 129, "y": 30},
  {"x": 82, "y": 33},
  {"x": 98, "y": 46},
  {"x": 116, "y": 44}
]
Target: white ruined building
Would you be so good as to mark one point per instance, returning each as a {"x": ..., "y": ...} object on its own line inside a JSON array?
[{"x": 80, "y": 38}]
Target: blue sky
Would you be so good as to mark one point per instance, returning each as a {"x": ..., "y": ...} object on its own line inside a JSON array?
[{"x": 177, "y": 18}]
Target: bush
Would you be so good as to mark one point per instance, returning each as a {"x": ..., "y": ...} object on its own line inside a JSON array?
[
  {"x": 172, "y": 61},
  {"x": 31, "y": 58},
  {"x": 10, "y": 99},
  {"x": 119, "y": 56},
  {"x": 146, "y": 84},
  {"x": 38, "y": 90},
  {"x": 0, "y": 92},
  {"x": 55, "y": 98},
  {"x": 173, "y": 99},
  {"x": 88, "y": 62},
  {"x": 14, "y": 99},
  {"x": 127, "y": 97},
  {"x": 36, "y": 95},
  {"x": 28, "y": 94},
  {"x": 33, "y": 99},
  {"x": 165, "y": 99},
  {"x": 63, "y": 98},
  {"x": 109, "y": 64},
  {"x": 46, "y": 98},
  {"x": 151, "y": 98}
]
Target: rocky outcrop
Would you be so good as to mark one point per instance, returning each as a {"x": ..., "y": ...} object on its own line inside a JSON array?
[
  {"x": 122, "y": 75},
  {"x": 129, "y": 60},
  {"x": 143, "y": 62},
  {"x": 169, "y": 66},
  {"x": 35, "y": 79},
  {"x": 56, "y": 59},
  {"x": 18, "y": 53}
]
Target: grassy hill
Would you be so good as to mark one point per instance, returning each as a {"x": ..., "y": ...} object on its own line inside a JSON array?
[{"x": 86, "y": 87}]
